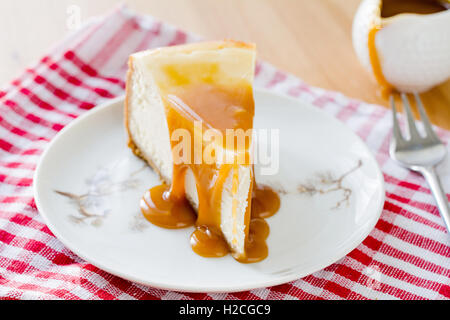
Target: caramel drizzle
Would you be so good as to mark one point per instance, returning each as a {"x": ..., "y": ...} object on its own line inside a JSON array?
[{"x": 386, "y": 87}]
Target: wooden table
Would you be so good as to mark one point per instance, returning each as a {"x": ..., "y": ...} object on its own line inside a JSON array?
[{"x": 309, "y": 38}]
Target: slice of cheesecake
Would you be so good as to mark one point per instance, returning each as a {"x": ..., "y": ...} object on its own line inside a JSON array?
[{"x": 194, "y": 93}]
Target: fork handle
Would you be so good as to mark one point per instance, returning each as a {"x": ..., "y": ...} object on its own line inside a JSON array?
[{"x": 436, "y": 188}]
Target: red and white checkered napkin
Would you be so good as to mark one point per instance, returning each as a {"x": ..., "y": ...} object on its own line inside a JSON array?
[{"x": 406, "y": 256}]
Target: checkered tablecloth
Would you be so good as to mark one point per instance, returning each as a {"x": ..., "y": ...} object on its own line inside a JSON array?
[{"x": 406, "y": 256}]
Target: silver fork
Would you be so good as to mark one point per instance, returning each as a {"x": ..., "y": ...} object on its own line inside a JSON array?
[{"x": 420, "y": 153}]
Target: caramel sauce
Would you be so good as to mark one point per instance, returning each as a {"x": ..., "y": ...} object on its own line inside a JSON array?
[
  {"x": 391, "y": 8},
  {"x": 265, "y": 202},
  {"x": 386, "y": 87},
  {"x": 198, "y": 93},
  {"x": 162, "y": 209},
  {"x": 255, "y": 245},
  {"x": 208, "y": 242}
]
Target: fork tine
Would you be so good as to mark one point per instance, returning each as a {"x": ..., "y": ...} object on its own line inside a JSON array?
[
  {"x": 412, "y": 129},
  {"x": 426, "y": 122},
  {"x": 395, "y": 126}
]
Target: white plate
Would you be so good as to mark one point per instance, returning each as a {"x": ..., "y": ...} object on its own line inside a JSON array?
[{"x": 90, "y": 156}]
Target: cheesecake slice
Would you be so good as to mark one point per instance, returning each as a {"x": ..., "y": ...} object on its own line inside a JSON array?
[{"x": 193, "y": 95}]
